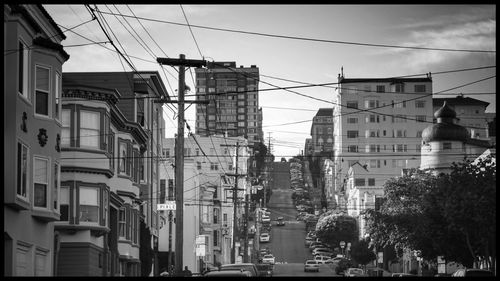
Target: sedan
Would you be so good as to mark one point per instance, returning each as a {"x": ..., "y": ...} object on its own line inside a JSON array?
[
  {"x": 264, "y": 237},
  {"x": 268, "y": 259},
  {"x": 266, "y": 218},
  {"x": 321, "y": 259},
  {"x": 280, "y": 221},
  {"x": 354, "y": 272},
  {"x": 311, "y": 265}
]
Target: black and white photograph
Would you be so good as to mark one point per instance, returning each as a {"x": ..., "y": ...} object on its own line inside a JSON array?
[{"x": 249, "y": 140}]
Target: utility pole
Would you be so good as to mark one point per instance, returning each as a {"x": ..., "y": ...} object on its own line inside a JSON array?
[
  {"x": 179, "y": 152},
  {"x": 235, "y": 197},
  {"x": 245, "y": 256}
]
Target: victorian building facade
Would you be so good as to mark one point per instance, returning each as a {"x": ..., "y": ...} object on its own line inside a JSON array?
[{"x": 33, "y": 60}]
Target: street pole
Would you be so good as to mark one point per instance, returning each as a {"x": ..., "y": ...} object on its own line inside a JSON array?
[
  {"x": 235, "y": 198},
  {"x": 245, "y": 256},
  {"x": 179, "y": 153}
]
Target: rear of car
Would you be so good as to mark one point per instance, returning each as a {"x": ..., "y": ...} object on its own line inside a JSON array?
[
  {"x": 264, "y": 237},
  {"x": 311, "y": 265},
  {"x": 268, "y": 259},
  {"x": 354, "y": 272},
  {"x": 265, "y": 270},
  {"x": 250, "y": 267}
]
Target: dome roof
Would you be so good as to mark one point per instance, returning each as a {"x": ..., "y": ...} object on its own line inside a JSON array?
[
  {"x": 444, "y": 131},
  {"x": 445, "y": 112}
]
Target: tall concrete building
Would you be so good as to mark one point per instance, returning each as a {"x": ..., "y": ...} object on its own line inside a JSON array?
[
  {"x": 378, "y": 122},
  {"x": 234, "y": 101}
]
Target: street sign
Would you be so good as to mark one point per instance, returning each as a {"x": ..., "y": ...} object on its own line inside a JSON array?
[
  {"x": 169, "y": 205},
  {"x": 342, "y": 244}
]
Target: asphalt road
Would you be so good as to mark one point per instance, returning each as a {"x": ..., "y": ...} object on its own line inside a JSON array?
[{"x": 287, "y": 242}]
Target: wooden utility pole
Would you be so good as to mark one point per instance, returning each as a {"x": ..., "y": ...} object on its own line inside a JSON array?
[
  {"x": 235, "y": 198},
  {"x": 179, "y": 152}
]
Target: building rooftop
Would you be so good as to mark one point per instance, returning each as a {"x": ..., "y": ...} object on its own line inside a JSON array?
[
  {"x": 458, "y": 100},
  {"x": 325, "y": 112}
]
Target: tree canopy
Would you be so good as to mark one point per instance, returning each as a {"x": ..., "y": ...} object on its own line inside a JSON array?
[
  {"x": 335, "y": 228},
  {"x": 360, "y": 252},
  {"x": 451, "y": 215}
]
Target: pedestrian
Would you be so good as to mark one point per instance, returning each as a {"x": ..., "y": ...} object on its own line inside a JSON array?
[{"x": 187, "y": 272}]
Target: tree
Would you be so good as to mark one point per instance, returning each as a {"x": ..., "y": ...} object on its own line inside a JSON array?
[
  {"x": 361, "y": 253},
  {"x": 445, "y": 214},
  {"x": 145, "y": 251},
  {"x": 335, "y": 228}
]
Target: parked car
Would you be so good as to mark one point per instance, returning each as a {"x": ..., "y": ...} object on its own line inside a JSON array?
[
  {"x": 264, "y": 237},
  {"x": 252, "y": 268},
  {"x": 269, "y": 258},
  {"x": 265, "y": 269},
  {"x": 315, "y": 244},
  {"x": 342, "y": 266},
  {"x": 229, "y": 273},
  {"x": 311, "y": 265},
  {"x": 354, "y": 272},
  {"x": 266, "y": 218},
  {"x": 323, "y": 253},
  {"x": 280, "y": 221},
  {"x": 403, "y": 275},
  {"x": 475, "y": 272},
  {"x": 321, "y": 259}
]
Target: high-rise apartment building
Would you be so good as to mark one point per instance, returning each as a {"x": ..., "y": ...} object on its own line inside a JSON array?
[
  {"x": 322, "y": 130},
  {"x": 378, "y": 122},
  {"x": 234, "y": 101}
]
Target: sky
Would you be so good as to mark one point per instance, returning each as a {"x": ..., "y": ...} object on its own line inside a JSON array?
[{"x": 351, "y": 32}]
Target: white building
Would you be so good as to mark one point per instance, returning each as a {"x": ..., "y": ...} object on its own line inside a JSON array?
[
  {"x": 378, "y": 122},
  {"x": 208, "y": 205}
]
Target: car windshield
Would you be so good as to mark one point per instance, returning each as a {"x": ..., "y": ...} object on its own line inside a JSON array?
[
  {"x": 268, "y": 256},
  {"x": 356, "y": 270},
  {"x": 311, "y": 262}
]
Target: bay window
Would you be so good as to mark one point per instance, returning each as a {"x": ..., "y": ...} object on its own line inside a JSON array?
[
  {"x": 40, "y": 182},
  {"x": 89, "y": 204},
  {"x": 42, "y": 88},
  {"x": 121, "y": 223},
  {"x": 89, "y": 129}
]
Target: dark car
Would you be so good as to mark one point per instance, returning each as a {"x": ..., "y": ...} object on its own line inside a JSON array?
[
  {"x": 475, "y": 272},
  {"x": 280, "y": 221},
  {"x": 265, "y": 269},
  {"x": 252, "y": 268}
]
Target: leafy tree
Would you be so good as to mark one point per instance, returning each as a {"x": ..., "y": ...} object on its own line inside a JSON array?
[
  {"x": 335, "y": 228},
  {"x": 361, "y": 253},
  {"x": 260, "y": 156},
  {"x": 145, "y": 251},
  {"x": 446, "y": 214}
]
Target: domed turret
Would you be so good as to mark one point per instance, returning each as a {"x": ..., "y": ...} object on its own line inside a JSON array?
[{"x": 445, "y": 129}]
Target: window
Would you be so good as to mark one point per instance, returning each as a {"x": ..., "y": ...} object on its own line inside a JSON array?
[
  {"x": 22, "y": 170},
  {"x": 89, "y": 129},
  {"x": 64, "y": 203},
  {"x": 56, "y": 186},
  {"x": 23, "y": 65},
  {"x": 214, "y": 166},
  {"x": 352, "y": 148},
  {"x": 320, "y": 131},
  {"x": 352, "y": 134},
  {"x": 216, "y": 238},
  {"x": 359, "y": 182},
  {"x": 121, "y": 222},
  {"x": 41, "y": 182},
  {"x": 418, "y": 148},
  {"x": 89, "y": 204},
  {"x": 42, "y": 88},
  {"x": 198, "y": 165},
  {"x": 123, "y": 157},
  {"x": 400, "y": 133},
  {"x": 374, "y": 163},
  {"x": 399, "y": 88},
  {"x": 372, "y": 118},
  {"x": 420, "y": 118},
  {"x": 352, "y": 104},
  {"x": 57, "y": 92},
  {"x": 398, "y": 104},
  {"x": 140, "y": 110},
  {"x": 419, "y": 134},
  {"x": 371, "y": 103},
  {"x": 352, "y": 120},
  {"x": 419, "y": 88},
  {"x": 380, "y": 89},
  {"x": 66, "y": 127},
  {"x": 419, "y": 104},
  {"x": 447, "y": 146},
  {"x": 371, "y": 182},
  {"x": 230, "y": 166},
  {"x": 399, "y": 118}
]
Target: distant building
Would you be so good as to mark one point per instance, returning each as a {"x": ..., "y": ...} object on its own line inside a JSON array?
[
  {"x": 33, "y": 59},
  {"x": 234, "y": 101},
  {"x": 378, "y": 122},
  {"x": 470, "y": 114},
  {"x": 308, "y": 147},
  {"x": 322, "y": 131},
  {"x": 446, "y": 142}
]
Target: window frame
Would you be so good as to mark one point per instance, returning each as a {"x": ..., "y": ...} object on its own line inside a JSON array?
[
  {"x": 68, "y": 204},
  {"x": 57, "y": 96},
  {"x": 98, "y": 204},
  {"x": 47, "y": 183},
  {"x": 99, "y": 129},
  {"x": 24, "y": 67},
  {"x": 36, "y": 90},
  {"x": 25, "y": 167}
]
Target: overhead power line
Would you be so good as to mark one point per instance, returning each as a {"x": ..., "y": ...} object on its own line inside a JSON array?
[{"x": 321, "y": 40}]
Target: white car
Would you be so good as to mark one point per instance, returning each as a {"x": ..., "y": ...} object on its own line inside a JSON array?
[
  {"x": 311, "y": 265},
  {"x": 321, "y": 259},
  {"x": 353, "y": 272},
  {"x": 268, "y": 259},
  {"x": 264, "y": 237},
  {"x": 266, "y": 218}
]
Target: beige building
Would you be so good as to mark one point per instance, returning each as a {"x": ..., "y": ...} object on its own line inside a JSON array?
[
  {"x": 33, "y": 59},
  {"x": 322, "y": 131},
  {"x": 378, "y": 122}
]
